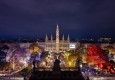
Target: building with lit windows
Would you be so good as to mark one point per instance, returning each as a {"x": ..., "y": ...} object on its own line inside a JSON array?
[{"x": 56, "y": 44}]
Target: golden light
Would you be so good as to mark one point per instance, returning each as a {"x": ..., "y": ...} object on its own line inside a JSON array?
[
  {"x": 69, "y": 64},
  {"x": 34, "y": 48}
]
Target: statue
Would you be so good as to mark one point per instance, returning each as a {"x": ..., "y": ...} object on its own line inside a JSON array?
[
  {"x": 56, "y": 72},
  {"x": 56, "y": 65}
]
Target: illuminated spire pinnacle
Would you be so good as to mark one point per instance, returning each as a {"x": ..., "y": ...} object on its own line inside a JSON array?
[
  {"x": 51, "y": 37},
  {"x": 57, "y": 39},
  {"x": 57, "y": 27},
  {"x": 63, "y": 37},
  {"x": 68, "y": 38},
  {"x": 46, "y": 38}
]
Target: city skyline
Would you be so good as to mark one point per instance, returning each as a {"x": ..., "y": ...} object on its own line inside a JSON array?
[{"x": 35, "y": 19}]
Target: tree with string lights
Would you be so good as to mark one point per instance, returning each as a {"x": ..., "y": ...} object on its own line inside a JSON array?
[{"x": 95, "y": 55}]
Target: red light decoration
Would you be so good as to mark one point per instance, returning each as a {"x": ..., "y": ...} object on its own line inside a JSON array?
[{"x": 95, "y": 55}]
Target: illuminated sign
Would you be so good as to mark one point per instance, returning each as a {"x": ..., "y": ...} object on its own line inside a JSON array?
[{"x": 72, "y": 46}]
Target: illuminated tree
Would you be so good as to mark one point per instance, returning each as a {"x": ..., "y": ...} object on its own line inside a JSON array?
[
  {"x": 67, "y": 54},
  {"x": 18, "y": 59},
  {"x": 34, "y": 48},
  {"x": 26, "y": 71},
  {"x": 35, "y": 52},
  {"x": 96, "y": 56},
  {"x": 72, "y": 59},
  {"x": 80, "y": 51}
]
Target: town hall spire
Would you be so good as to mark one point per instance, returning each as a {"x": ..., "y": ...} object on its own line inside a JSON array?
[{"x": 57, "y": 39}]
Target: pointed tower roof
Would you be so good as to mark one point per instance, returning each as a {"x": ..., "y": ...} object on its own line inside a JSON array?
[
  {"x": 57, "y": 27},
  {"x": 51, "y": 37},
  {"x": 68, "y": 38},
  {"x": 46, "y": 37},
  {"x": 63, "y": 37}
]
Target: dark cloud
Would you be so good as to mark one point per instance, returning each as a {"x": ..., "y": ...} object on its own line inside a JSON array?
[{"x": 35, "y": 18}]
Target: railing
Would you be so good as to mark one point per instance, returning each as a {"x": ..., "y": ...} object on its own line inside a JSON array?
[
  {"x": 69, "y": 69},
  {"x": 43, "y": 69},
  {"x": 62, "y": 69}
]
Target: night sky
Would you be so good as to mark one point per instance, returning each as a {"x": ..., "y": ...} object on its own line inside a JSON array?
[{"x": 36, "y": 18}]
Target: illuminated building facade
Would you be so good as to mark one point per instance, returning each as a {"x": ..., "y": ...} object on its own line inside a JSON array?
[
  {"x": 57, "y": 45},
  {"x": 54, "y": 44}
]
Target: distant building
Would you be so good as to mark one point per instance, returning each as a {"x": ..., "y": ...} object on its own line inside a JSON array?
[
  {"x": 105, "y": 39},
  {"x": 54, "y": 45},
  {"x": 57, "y": 44}
]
